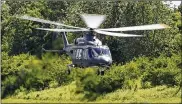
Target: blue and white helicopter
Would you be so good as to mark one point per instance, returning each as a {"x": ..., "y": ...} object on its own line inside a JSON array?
[{"x": 88, "y": 50}]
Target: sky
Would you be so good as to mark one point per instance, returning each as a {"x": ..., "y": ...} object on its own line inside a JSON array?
[{"x": 174, "y": 3}]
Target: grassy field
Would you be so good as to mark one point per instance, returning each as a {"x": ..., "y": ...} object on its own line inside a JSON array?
[{"x": 67, "y": 94}]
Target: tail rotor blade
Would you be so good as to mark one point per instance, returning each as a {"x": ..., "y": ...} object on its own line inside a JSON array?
[{"x": 59, "y": 51}]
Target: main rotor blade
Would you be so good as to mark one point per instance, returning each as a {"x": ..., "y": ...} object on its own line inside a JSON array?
[
  {"x": 93, "y": 20},
  {"x": 46, "y": 21},
  {"x": 142, "y": 27},
  {"x": 60, "y": 51},
  {"x": 62, "y": 30},
  {"x": 117, "y": 34}
]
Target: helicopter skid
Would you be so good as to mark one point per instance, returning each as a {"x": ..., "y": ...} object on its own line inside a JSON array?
[
  {"x": 100, "y": 71},
  {"x": 70, "y": 66}
]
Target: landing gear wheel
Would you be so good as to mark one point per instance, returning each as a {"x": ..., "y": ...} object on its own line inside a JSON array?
[
  {"x": 98, "y": 72},
  {"x": 101, "y": 72},
  {"x": 68, "y": 71}
]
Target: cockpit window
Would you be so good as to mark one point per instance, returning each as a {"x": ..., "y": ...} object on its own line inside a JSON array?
[
  {"x": 95, "y": 52},
  {"x": 105, "y": 51},
  {"x": 92, "y": 53},
  {"x": 98, "y": 50}
]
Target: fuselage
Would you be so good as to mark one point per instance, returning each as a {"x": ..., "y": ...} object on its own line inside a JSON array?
[
  {"x": 90, "y": 55},
  {"x": 88, "y": 51}
]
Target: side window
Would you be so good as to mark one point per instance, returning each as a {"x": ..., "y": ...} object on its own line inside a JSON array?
[
  {"x": 78, "y": 54},
  {"x": 90, "y": 53},
  {"x": 85, "y": 53}
]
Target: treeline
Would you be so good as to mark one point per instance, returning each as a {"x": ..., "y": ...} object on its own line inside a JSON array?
[
  {"x": 20, "y": 36},
  {"x": 144, "y": 62}
]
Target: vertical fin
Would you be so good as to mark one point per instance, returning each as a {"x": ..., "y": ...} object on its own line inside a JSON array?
[{"x": 65, "y": 40}]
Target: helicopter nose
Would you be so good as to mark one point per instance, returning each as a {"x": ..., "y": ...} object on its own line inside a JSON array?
[{"x": 106, "y": 60}]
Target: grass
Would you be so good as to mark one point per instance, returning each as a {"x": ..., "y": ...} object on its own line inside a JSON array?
[
  {"x": 160, "y": 94},
  {"x": 67, "y": 94},
  {"x": 60, "y": 94}
]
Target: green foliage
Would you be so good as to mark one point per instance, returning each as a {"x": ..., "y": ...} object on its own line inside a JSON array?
[
  {"x": 9, "y": 85},
  {"x": 146, "y": 62},
  {"x": 66, "y": 94},
  {"x": 31, "y": 73},
  {"x": 159, "y": 94},
  {"x": 19, "y": 36},
  {"x": 142, "y": 72},
  {"x": 164, "y": 70},
  {"x": 56, "y": 67},
  {"x": 35, "y": 74},
  {"x": 92, "y": 85}
]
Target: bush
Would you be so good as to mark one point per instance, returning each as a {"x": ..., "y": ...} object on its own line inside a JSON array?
[
  {"x": 142, "y": 72},
  {"x": 163, "y": 71},
  {"x": 31, "y": 72},
  {"x": 11, "y": 66},
  {"x": 9, "y": 85},
  {"x": 56, "y": 67},
  {"x": 93, "y": 85}
]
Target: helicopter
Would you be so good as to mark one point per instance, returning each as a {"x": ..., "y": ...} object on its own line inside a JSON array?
[{"x": 88, "y": 51}]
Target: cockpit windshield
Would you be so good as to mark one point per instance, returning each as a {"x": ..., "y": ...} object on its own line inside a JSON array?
[
  {"x": 105, "y": 51},
  {"x": 100, "y": 50},
  {"x": 96, "y": 51}
]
